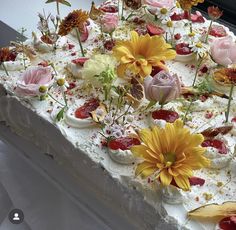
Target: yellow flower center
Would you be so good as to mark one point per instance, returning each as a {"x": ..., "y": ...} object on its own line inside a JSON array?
[
  {"x": 43, "y": 89},
  {"x": 199, "y": 45},
  {"x": 169, "y": 24},
  {"x": 61, "y": 81},
  {"x": 169, "y": 159},
  {"x": 163, "y": 11},
  {"x": 191, "y": 34}
]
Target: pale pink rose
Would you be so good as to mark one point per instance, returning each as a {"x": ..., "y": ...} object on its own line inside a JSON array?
[
  {"x": 160, "y": 3},
  {"x": 109, "y": 23},
  {"x": 223, "y": 51},
  {"x": 32, "y": 79},
  {"x": 163, "y": 87}
]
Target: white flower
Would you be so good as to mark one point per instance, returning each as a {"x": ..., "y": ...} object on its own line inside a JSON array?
[
  {"x": 129, "y": 118},
  {"x": 163, "y": 13},
  {"x": 200, "y": 49},
  {"x": 191, "y": 38},
  {"x": 108, "y": 120},
  {"x": 95, "y": 66},
  {"x": 43, "y": 90},
  {"x": 117, "y": 131},
  {"x": 61, "y": 83}
]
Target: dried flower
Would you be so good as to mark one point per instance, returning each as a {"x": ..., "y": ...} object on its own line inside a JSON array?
[
  {"x": 141, "y": 53},
  {"x": 188, "y": 4},
  {"x": 214, "y": 12},
  {"x": 7, "y": 55},
  {"x": 170, "y": 153},
  {"x": 109, "y": 23},
  {"x": 75, "y": 19}
]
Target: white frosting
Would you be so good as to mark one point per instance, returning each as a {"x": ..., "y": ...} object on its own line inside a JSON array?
[
  {"x": 74, "y": 69},
  {"x": 121, "y": 156},
  {"x": 185, "y": 58},
  {"x": 75, "y": 122}
]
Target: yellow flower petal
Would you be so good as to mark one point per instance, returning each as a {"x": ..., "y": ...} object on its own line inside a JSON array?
[
  {"x": 182, "y": 182},
  {"x": 165, "y": 177}
]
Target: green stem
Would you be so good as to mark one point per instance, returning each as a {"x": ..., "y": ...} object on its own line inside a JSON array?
[
  {"x": 80, "y": 44},
  {"x": 56, "y": 100},
  {"x": 187, "y": 111},
  {"x": 196, "y": 74},
  {"x": 5, "y": 69},
  {"x": 190, "y": 21},
  {"x": 58, "y": 11},
  {"x": 229, "y": 102},
  {"x": 162, "y": 105},
  {"x": 65, "y": 99},
  {"x": 209, "y": 29},
  {"x": 122, "y": 11}
]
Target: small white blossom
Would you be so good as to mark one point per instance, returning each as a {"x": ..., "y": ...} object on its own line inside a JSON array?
[
  {"x": 108, "y": 120},
  {"x": 191, "y": 38},
  {"x": 200, "y": 49},
  {"x": 61, "y": 83}
]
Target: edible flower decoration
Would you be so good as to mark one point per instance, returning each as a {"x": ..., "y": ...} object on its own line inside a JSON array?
[
  {"x": 163, "y": 87},
  {"x": 109, "y": 23},
  {"x": 139, "y": 54},
  {"x": 170, "y": 154},
  {"x": 188, "y": 4},
  {"x": 223, "y": 51},
  {"x": 6, "y": 55},
  {"x": 133, "y": 4},
  {"x": 226, "y": 76},
  {"x": 214, "y": 13},
  {"x": 74, "y": 20},
  {"x": 160, "y": 3},
  {"x": 34, "y": 81}
]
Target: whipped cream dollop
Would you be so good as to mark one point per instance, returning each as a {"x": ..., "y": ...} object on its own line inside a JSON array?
[{"x": 121, "y": 156}]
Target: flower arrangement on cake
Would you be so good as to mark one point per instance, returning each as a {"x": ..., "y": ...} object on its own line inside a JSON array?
[{"x": 155, "y": 84}]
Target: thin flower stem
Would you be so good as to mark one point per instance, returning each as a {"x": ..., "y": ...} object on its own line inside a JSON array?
[
  {"x": 196, "y": 74},
  {"x": 209, "y": 29},
  {"x": 190, "y": 21},
  {"x": 56, "y": 100},
  {"x": 5, "y": 69},
  {"x": 187, "y": 112},
  {"x": 122, "y": 10},
  {"x": 58, "y": 10},
  {"x": 80, "y": 44},
  {"x": 65, "y": 99},
  {"x": 229, "y": 102}
]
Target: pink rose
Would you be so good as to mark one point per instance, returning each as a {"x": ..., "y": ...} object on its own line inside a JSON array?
[
  {"x": 32, "y": 79},
  {"x": 223, "y": 51},
  {"x": 163, "y": 87},
  {"x": 160, "y": 3},
  {"x": 109, "y": 23}
]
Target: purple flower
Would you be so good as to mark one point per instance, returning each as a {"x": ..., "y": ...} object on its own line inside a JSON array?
[{"x": 163, "y": 87}]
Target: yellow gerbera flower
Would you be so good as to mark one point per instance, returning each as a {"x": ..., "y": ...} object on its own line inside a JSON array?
[
  {"x": 171, "y": 153},
  {"x": 188, "y": 4},
  {"x": 141, "y": 53}
]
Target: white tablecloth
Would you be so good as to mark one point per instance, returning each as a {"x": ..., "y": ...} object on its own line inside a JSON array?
[{"x": 45, "y": 206}]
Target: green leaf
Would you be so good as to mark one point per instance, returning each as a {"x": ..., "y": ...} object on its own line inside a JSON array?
[
  {"x": 50, "y": 1},
  {"x": 66, "y": 3},
  {"x": 60, "y": 114}
]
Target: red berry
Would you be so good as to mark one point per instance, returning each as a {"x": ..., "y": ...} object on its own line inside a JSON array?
[
  {"x": 167, "y": 115},
  {"x": 72, "y": 85},
  {"x": 233, "y": 119},
  {"x": 84, "y": 111},
  {"x": 228, "y": 223},
  {"x": 80, "y": 61},
  {"x": 183, "y": 49},
  {"x": 154, "y": 30},
  {"x": 109, "y": 44},
  {"x": 176, "y": 17},
  {"x": 109, "y": 9},
  {"x": 218, "y": 144},
  {"x": 177, "y": 36},
  {"x": 196, "y": 181},
  {"x": 123, "y": 143},
  {"x": 70, "y": 46},
  {"x": 218, "y": 31}
]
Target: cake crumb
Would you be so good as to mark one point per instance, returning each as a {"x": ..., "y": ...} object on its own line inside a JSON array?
[{"x": 219, "y": 184}]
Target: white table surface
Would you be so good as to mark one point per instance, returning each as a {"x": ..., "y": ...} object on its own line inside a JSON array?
[{"x": 23, "y": 13}]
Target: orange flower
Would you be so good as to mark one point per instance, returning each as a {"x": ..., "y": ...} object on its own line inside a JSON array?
[
  {"x": 188, "y": 4},
  {"x": 214, "y": 12},
  {"x": 225, "y": 76},
  {"x": 139, "y": 54},
  {"x": 75, "y": 19}
]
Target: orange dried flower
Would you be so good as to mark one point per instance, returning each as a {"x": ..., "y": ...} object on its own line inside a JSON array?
[
  {"x": 214, "y": 12},
  {"x": 75, "y": 19},
  {"x": 6, "y": 54},
  {"x": 188, "y": 4},
  {"x": 225, "y": 76}
]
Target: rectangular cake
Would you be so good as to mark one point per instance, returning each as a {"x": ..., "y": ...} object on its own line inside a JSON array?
[{"x": 136, "y": 101}]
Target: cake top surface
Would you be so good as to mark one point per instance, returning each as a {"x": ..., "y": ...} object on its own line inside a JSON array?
[{"x": 146, "y": 89}]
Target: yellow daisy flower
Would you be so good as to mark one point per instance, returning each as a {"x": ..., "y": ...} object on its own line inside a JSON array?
[
  {"x": 141, "y": 53},
  {"x": 188, "y": 4},
  {"x": 171, "y": 153}
]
